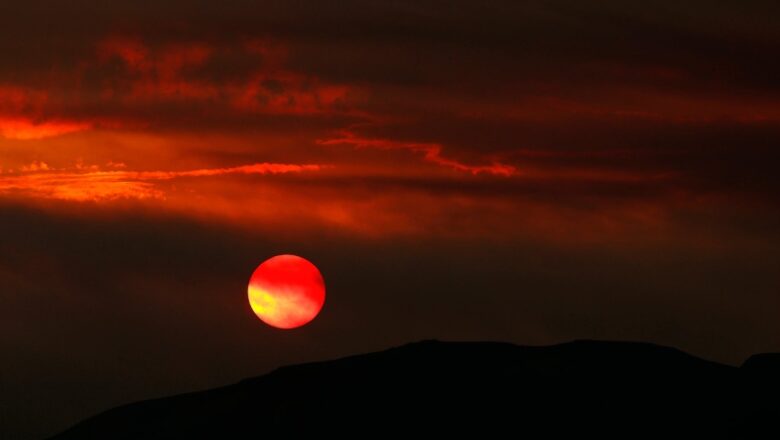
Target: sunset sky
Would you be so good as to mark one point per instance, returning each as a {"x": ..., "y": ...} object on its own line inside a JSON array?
[{"x": 525, "y": 171}]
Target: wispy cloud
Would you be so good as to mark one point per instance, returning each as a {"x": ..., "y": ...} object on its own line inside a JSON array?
[
  {"x": 40, "y": 180},
  {"x": 432, "y": 152}
]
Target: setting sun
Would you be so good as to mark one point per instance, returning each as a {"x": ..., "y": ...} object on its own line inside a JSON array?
[{"x": 286, "y": 291}]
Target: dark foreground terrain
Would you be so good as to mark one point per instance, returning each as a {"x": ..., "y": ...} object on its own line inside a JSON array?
[{"x": 582, "y": 389}]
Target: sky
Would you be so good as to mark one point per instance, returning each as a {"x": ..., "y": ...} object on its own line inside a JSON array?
[{"x": 522, "y": 171}]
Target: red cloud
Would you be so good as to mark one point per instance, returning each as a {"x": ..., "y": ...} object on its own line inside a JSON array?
[
  {"x": 158, "y": 75},
  {"x": 20, "y": 115},
  {"x": 431, "y": 152},
  {"x": 130, "y": 50}
]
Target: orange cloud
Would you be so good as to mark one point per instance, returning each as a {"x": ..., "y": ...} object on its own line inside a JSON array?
[
  {"x": 39, "y": 181},
  {"x": 431, "y": 153},
  {"x": 26, "y": 129},
  {"x": 36, "y": 166}
]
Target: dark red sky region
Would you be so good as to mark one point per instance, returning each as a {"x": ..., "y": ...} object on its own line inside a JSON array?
[{"x": 524, "y": 171}]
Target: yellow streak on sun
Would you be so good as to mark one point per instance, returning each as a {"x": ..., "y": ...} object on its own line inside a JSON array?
[
  {"x": 263, "y": 303},
  {"x": 283, "y": 307}
]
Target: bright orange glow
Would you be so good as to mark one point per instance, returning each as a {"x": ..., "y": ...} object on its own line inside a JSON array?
[{"x": 286, "y": 291}]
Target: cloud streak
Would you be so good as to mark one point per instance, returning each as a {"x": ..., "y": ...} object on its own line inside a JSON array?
[
  {"x": 431, "y": 152},
  {"x": 95, "y": 185}
]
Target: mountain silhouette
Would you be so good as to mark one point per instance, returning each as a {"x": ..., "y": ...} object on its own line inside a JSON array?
[{"x": 583, "y": 388}]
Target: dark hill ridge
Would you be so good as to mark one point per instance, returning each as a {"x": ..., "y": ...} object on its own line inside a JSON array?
[
  {"x": 764, "y": 364},
  {"x": 581, "y": 388}
]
